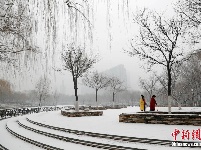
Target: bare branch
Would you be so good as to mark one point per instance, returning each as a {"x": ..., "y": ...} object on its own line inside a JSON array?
[{"x": 71, "y": 4}]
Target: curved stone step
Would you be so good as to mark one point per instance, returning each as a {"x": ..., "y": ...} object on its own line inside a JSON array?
[
  {"x": 10, "y": 142},
  {"x": 36, "y": 143},
  {"x": 41, "y": 141},
  {"x": 106, "y": 136},
  {"x": 78, "y": 140},
  {"x": 2, "y": 147}
]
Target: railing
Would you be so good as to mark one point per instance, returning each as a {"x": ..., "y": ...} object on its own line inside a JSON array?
[{"x": 12, "y": 112}]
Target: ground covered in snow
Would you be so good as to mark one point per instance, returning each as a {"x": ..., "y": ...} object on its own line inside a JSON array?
[{"x": 107, "y": 124}]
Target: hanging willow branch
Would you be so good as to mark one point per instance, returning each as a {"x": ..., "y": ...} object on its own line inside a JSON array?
[
  {"x": 72, "y": 5},
  {"x": 15, "y": 29}
]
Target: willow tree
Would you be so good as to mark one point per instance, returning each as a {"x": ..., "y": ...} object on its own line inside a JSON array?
[
  {"x": 15, "y": 29},
  {"x": 159, "y": 42},
  {"x": 76, "y": 60},
  {"x": 47, "y": 25},
  {"x": 30, "y": 26},
  {"x": 72, "y": 21}
]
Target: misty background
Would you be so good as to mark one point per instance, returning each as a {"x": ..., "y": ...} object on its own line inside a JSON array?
[{"x": 108, "y": 35}]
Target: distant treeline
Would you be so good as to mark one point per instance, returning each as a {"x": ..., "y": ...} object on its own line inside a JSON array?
[{"x": 10, "y": 98}]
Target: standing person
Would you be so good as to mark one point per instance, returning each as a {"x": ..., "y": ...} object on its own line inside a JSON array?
[
  {"x": 153, "y": 103},
  {"x": 142, "y": 103}
]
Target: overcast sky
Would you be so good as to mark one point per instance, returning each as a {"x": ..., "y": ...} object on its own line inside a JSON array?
[
  {"x": 121, "y": 33},
  {"x": 122, "y": 30},
  {"x": 111, "y": 54}
]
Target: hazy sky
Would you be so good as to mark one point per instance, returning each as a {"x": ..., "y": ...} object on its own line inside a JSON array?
[
  {"x": 122, "y": 32},
  {"x": 122, "y": 29}
]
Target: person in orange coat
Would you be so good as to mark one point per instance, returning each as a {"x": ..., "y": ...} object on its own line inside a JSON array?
[
  {"x": 153, "y": 103},
  {"x": 142, "y": 103}
]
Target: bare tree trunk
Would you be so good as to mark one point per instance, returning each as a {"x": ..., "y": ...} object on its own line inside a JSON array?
[
  {"x": 76, "y": 96},
  {"x": 76, "y": 106},
  {"x": 97, "y": 97},
  {"x": 169, "y": 89},
  {"x": 40, "y": 100},
  {"x": 113, "y": 98}
]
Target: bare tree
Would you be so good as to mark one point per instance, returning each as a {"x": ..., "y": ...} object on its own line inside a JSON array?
[
  {"x": 5, "y": 90},
  {"x": 185, "y": 82},
  {"x": 77, "y": 62},
  {"x": 78, "y": 8},
  {"x": 42, "y": 88},
  {"x": 116, "y": 86},
  {"x": 191, "y": 13},
  {"x": 55, "y": 97},
  {"x": 163, "y": 84},
  {"x": 179, "y": 94},
  {"x": 5, "y": 86},
  {"x": 191, "y": 9},
  {"x": 158, "y": 44},
  {"x": 190, "y": 79},
  {"x": 96, "y": 81},
  {"x": 149, "y": 85}
]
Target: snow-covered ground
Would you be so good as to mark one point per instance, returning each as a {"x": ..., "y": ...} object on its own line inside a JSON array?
[{"x": 107, "y": 124}]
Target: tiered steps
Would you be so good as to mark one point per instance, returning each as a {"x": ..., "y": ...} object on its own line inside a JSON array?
[
  {"x": 77, "y": 139},
  {"x": 38, "y": 140},
  {"x": 55, "y": 138},
  {"x": 104, "y": 136},
  {"x": 34, "y": 135}
]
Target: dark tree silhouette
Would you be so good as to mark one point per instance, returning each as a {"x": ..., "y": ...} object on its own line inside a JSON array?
[
  {"x": 158, "y": 44},
  {"x": 149, "y": 85},
  {"x": 116, "y": 86},
  {"x": 77, "y": 62},
  {"x": 96, "y": 81}
]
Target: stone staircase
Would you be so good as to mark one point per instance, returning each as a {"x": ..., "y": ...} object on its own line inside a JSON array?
[
  {"x": 59, "y": 136},
  {"x": 104, "y": 136},
  {"x": 44, "y": 136},
  {"x": 2, "y": 147},
  {"x": 27, "y": 130}
]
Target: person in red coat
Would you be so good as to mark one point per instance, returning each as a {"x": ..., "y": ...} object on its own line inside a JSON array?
[{"x": 153, "y": 103}]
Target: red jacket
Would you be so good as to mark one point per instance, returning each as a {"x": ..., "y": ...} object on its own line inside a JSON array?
[{"x": 152, "y": 103}]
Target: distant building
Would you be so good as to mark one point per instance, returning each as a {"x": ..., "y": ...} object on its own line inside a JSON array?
[{"x": 119, "y": 72}]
